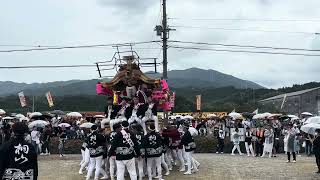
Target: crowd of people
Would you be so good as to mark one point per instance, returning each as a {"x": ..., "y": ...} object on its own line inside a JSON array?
[
  {"x": 131, "y": 141},
  {"x": 125, "y": 146}
]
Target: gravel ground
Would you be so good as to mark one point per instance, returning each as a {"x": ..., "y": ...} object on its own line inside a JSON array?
[{"x": 212, "y": 167}]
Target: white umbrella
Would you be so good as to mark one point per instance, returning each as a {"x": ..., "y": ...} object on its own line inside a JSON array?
[
  {"x": 8, "y": 118},
  {"x": 38, "y": 123},
  {"x": 35, "y": 114},
  {"x": 293, "y": 117},
  {"x": 74, "y": 114},
  {"x": 310, "y": 128},
  {"x": 306, "y": 114},
  {"x": 86, "y": 125},
  {"x": 64, "y": 125},
  {"x": 212, "y": 115},
  {"x": 262, "y": 116},
  {"x": 235, "y": 115},
  {"x": 314, "y": 120},
  {"x": 193, "y": 131},
  {"x": 24, "y": 119},
  {"x": 99, "y": 116},
  {"x": 20, "y": 116},
  {"x": 2, "y": 112},
  {"x": 105, "y": 121},
  {"x": 187, "y": 117}
]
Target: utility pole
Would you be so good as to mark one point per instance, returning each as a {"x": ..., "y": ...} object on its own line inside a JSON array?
[
  {"x": 163, "y": 31},
  {"x": 164, "y": 39}
]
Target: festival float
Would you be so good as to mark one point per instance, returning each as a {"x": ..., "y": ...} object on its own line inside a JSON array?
[{"x": 133, "y": 96}]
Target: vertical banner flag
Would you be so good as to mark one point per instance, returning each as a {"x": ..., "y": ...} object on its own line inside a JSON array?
[
  {"x": 172, "y": 99},
  {"x": 49, "y": 98},
  {"x": 22, "y": 99},
  {"x": 283, "y": 101},
  {"x": 198, "y": 102}
]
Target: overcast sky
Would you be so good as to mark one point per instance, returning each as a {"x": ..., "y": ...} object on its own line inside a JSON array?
[{"x": 84, "y": 22}]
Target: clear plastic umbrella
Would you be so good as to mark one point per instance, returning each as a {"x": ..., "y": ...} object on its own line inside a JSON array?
[
  {"x": 314, "y": 120},
  {"x": 35, "y": 114},
  {"x": 310, "y": 128},
  {"x": 38, "y": 123}
]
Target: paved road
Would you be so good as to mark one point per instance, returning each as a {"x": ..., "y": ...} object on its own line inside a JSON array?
[{"x": 213, "y": 167}]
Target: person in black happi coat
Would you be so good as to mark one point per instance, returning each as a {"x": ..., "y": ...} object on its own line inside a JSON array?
[
  {"x": 316, "y": 148},
  {"x": 18, "y": 158}
]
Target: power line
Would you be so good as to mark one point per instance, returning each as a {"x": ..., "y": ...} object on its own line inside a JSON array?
[
  {"x": 244, "y": 51},
  {"x": 53, "y": 66},
  {"x": 246, "y": 46},
  {"x": 75, "y": 47},
  {"x": 249, "y": 19},
  {"x": 253, "y": 30}
]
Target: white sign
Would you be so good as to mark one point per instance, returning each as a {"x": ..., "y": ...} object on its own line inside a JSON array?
[{"x": 241, "y": 133}]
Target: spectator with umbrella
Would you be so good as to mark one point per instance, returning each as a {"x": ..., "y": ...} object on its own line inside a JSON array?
[
  {"x": 62, "y": 140},
  {"x": 35, "y": 139},
  {"x": 316, "y": 147}
]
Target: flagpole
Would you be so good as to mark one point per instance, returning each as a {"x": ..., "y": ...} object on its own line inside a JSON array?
[{"x": 32, "y": 103}]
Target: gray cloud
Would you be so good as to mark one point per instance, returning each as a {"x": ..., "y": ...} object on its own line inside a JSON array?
[
  {"x": 128, "y": 6},
  {"x": 116, "y": 21}
]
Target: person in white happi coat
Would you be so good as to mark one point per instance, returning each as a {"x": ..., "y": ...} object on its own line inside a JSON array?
[{"x": 236, "y": 142}]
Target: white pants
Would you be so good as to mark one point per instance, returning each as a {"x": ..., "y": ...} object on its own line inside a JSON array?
[
  {"x": 112, "y": 166},
  {"x": 249, "y": 148},
  {"x": 131, "y": 167},
  {"x": 181, "y": 159},
  {"x": 168, "y": 158},
  {"x": 82, "y": 156},
  {"x": 96, "y": 162},
  {"x": 236, "y": 146},
  {"x": 150, "y": 163},
  {"x": 140, "y": 162},
  {"x": 174, "y": 156},
  {"x": 164, "y": 163},
  {"x": 86, "y": 159},
  {"x": 184, "y": 155},
  {"x": 190, "y": 162}
]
